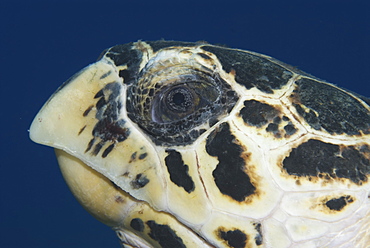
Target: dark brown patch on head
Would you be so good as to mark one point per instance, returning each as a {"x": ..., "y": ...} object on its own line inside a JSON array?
[
  {"x": 316, "y": 159},
  {"x": 98, "y": 147},
  {"x": 251, "y": 70},
  {"x": 126, "y": 55},
  {"x": 90, "y": 144},
  {"x": 234, "y": 238},
  {"x": 165, "y": 235},
  {"x": 328, "y": 108},
  {"x": 143, "y": 155},
  {"x": 178, "y": 170},
  {"x": 230, "y": 176},
  {"x": 158, "y": 45},
  {"x": 258, "y": 114},
  {"x": 137, "y": 224},
  {"x": 337, "y": 204},
  {"x": 124, "y": 74},
  {"x": 262, "y": 115},
  {"x": 140, "y": 181},
  {"x": 87, "y": 111},
  {"x": 290, "y": 129},
  {"x": 110, "y": 127},
  {"x": 108, "y": 150}
]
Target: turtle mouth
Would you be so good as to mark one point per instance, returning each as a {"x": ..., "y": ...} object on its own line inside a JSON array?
[{"x": 174, "y": 104}]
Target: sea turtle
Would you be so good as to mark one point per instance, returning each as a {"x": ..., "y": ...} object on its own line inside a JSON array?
[{"x": 180, "y": 144}]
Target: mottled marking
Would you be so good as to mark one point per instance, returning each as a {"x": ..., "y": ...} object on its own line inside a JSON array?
[
  {"x": 143, "y": 155},
  {"x": 337, "y": 204},
  {"x": 81, "y": 130},
  {"x": 165, "y": 235},
  {"x": 87, "y": 111},
  {"x": 99, "y": 94},
  {"x": 315, "y": 158},
  {"x": 90, "y": 144},
  {"x": 105, "y": 75},
  {"x": 111, "y": 131},
  {"x": 137, "y": 224},
  {"x": 140, "y": 181},
  {"x": 326, "y": 107},
  {"x": 257, "y": 114},
  {"x": 101, "y": 103},
  {"x": 133, "y": 157},
  {"x": 108, "y": 150},
  {"x": 290, "y": 129},
  {"x": 277, "y": 120},
  {"x": 230, "y": 176},
  {"x": 98, "y": 147},
  {"x": 234, "y": 238},
  {"x": 273, "y": 128},
  {"x": 119, "y": 199},
  {"x": 251, "y": 70},
  {"x": 110, "y": 127},
  {"x": 179, "y": 172},
  {"x": 258, "y": 238},
  {"x": 126, "y": 174}
]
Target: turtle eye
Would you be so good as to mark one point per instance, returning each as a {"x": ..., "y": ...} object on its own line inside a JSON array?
[
  {"x": 175, "y": 104},
  {"x": 181, "y": 100}
]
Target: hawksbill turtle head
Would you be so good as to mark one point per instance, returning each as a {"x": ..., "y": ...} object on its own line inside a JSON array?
[{"x": 179, "y": 144}]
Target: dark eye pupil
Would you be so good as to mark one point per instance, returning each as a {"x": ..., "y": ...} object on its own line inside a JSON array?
[{"x": 179, "y": 99}]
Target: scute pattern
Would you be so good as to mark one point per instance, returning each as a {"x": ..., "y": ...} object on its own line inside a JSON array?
[
  {"x": 181, "y": 144},
  {"x": 234, "y": 238},
  {"x": 329, "y": 108},
  {"x": 258, "y": 114},
  {"x": 315, "y": 158},
  {"x": 229, "y": 174},
  {"x": 178, "y": 171},
  {"x": 252, "y": 70}
]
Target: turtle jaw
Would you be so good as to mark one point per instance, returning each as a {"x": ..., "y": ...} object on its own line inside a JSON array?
[{"x": 96, "y": 193}]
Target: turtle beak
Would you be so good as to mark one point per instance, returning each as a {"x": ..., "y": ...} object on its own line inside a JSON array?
[
  {"x": 64, "y": 115},
  {"x": 87, "y": 119},
  {"x": 66, "y": 122}
]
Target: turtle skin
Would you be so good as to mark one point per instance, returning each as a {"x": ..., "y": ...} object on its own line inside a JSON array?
[{"x": 181, "y": 144}]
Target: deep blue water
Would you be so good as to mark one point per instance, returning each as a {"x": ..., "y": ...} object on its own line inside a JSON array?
[{"x": 43, "y": 43}]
